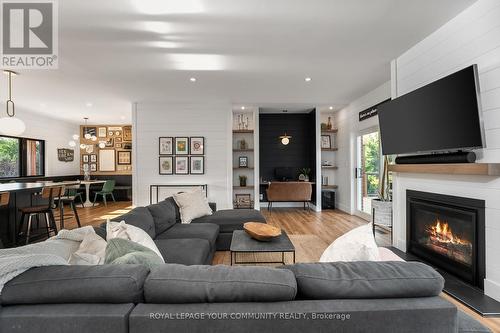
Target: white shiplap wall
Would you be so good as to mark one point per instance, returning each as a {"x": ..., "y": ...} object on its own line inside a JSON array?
[
  {"x": 211, "y": 120},
  {"x": 57, "y": 134},
  {"x": 473, "y": 37}
]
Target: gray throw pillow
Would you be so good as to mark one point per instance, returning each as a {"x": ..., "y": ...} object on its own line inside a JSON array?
[{"x": 124, "y": 251}]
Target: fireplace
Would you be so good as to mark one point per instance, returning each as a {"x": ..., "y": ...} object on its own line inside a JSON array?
[{"x": 448, "y": 233}]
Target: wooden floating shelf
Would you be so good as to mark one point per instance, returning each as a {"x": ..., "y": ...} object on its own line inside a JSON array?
[
  {"x": 329, "y": 149},
  {"x": 335, "y": 130},
  {"x": 243, "y": 187},
  {"x": 478, "y": 169},
  {"x": 329, "y": 187},
  {"x": 329, "y": 167},
  {"x": 242, "y": 131},
  {"x": 236, "y": 168},
  {"x": 242, "y": 150}
]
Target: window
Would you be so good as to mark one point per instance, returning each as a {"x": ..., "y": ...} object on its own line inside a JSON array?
[
  {"x": 9, "y": 157},
  {"x": 21, "y": 157}
]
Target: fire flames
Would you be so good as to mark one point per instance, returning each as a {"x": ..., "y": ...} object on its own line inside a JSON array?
[{"x": 442, "y": 233}]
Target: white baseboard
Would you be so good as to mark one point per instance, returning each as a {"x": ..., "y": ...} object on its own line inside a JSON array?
[{"x": 492, "y": 289}]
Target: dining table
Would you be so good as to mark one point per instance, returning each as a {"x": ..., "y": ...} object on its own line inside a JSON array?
[{"x": 87, "y": 184}]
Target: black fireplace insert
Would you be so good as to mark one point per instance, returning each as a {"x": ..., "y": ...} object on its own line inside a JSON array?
[{"x": 447, "y": 232}]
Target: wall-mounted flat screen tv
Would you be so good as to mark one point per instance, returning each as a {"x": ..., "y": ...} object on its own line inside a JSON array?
[{"x": 441, "y": 116}]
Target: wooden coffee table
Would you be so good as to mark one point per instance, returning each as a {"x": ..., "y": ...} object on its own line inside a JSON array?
[{"x": 243, "y": 243}]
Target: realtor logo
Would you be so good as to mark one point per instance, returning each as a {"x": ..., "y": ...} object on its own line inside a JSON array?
[{"x": 29, "y": 34}]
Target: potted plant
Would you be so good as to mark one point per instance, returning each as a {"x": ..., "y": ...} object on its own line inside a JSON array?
[
  {"x": 243, "y": 181},
  {"x": 304, "y": 174},
  {"x": 382, "y": 207}
]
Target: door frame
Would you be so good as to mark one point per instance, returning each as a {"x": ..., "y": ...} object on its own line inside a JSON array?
[{"x": 359, "y": 134}]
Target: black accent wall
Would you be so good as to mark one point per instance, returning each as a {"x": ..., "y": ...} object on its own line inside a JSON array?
[{"x": 299, "y": 153}]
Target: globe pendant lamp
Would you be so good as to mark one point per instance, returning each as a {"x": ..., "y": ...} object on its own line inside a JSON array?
[
  {"x": 285, "y": 139},
  {"x": 11, "y": 125}
]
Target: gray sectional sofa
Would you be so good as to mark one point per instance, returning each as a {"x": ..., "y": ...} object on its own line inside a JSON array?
[
  {"x": 322, "y": 297},
  {"x": 185, "y": 296},
  {"x": 188, "y": 244}
]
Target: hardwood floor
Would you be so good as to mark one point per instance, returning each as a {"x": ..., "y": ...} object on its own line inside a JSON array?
[{"x": 311, "y": 233}]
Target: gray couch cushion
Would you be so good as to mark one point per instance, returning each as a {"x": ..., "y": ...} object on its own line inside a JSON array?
[
  {"x": 400, "y": 315},
  {"x": 232, "y": 219},
  {"x": 139, "y": 217},
  {"x": 77, "y": 284},
  {"x": 184, "y": 251},
  {"x": 165, "y": 214},
  {"x": 467, "y": 324},
  {"x": 208, "y": 231},
  {"x": 218, "y": 284},
  {"x": 363, "y": 279},
  {"x": 64, "y": 318}
]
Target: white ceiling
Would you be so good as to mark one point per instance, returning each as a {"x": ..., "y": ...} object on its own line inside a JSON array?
[{"x": 254, "y": 52}]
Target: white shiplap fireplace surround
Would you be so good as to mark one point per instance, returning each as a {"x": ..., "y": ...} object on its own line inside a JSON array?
[{"x": 473, "y": 37}]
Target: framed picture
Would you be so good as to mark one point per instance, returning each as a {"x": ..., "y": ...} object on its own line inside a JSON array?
[
  {"x": 93, "y": 167},
  {"x": 243, "y": 162},
  {"x": 127, "y": 145},
  {"x": 65, "y": 155},
  {"x": 127, "y": 133},
  {"x": 110, "y": 142},
  {"x": 197, "y": 145},
  {"x": 197, "y": 165},
  {"x": 111, "y": 133},
  {"x": 90, "y": 130},
  {"x": 181, "y": 165},
  {"x": 166, "y": 146},
  {"x": 93, "y": 158},
  {"x": 166, "y": 164},
  {"x": 243, "y": 201},
  {"x": 124, "y": 157},
  {"x": 326, "y": 142},
  {"x": 118, "y": 139},
  {"x": 118, "y": 145},
  {"x": 107, "y": 160},
  {"x": 101, "y": 132},
  {"x": 182, "y": 146},
  {"x": 85, "y": 158}
]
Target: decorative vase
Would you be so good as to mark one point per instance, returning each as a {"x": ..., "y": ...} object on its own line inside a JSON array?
[
  {"x": 243, "y": 182},
  {"x": 382, "y": 212},
  {"x": 329, "y": 123}
]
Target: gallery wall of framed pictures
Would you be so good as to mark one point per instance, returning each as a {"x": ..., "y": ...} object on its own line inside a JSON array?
[
  {"x": 181, "y": 155},
  {"x": 115, "y": 155}
]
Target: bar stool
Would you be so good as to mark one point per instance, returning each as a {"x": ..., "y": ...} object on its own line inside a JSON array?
[
  {"x": 69, "y": 197},
  {"x": 4, "y": 202},
  {"x": 48, "y": 194}
]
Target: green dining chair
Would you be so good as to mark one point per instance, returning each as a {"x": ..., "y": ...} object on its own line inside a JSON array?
[{"x": 107, "y": 189}]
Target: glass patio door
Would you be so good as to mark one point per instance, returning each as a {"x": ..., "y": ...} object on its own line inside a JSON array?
[{"x": 367, "y": 171}]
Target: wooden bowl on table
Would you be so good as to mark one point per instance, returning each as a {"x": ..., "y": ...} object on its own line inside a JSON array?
[{"x": 261, "y": 231}]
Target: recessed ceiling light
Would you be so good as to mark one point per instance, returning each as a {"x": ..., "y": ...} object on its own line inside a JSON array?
[
  {"x": 243, "y": 108},
  {"x": 331, "y": 107},
  {"x": 307, "y": 79},
  {"x": 89, "y": 105},
  {"x": 193, "y": 79}
]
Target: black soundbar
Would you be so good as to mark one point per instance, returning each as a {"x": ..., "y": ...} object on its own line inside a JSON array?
[{"x": 438, "y": 158}]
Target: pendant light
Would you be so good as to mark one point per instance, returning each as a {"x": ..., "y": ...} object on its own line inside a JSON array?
[
  {"x": 285, "y": 139},
  {"x": 11, "y": 125}
]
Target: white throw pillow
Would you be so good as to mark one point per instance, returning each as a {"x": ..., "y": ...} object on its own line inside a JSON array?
[
  {"x": 130, "y": 232},
  {"x": 356, "y": 245},
  {"x": 192, "y": 205},
  {"x": 92, "y": 251}
]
